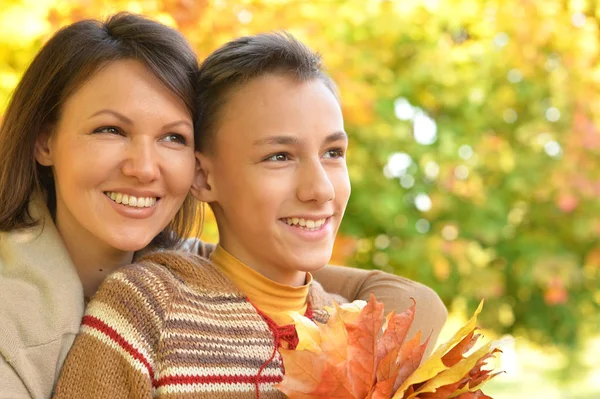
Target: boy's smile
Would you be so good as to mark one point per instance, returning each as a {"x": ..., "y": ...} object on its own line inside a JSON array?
[
  {"x": 277, "y": 175},
  {"x": 309, "y": 228}
]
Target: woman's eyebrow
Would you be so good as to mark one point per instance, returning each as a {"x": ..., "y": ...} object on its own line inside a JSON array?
[
  {"x": 177, "y": 123},
  {"x": 116, "y": 114},
  {"x": 125, "y": 119}
]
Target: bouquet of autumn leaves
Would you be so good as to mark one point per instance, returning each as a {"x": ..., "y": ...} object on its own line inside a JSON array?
[{"x": 361, "y": 354}]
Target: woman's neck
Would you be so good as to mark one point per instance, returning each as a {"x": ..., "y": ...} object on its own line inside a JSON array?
[{"x": 93, "y": 259}]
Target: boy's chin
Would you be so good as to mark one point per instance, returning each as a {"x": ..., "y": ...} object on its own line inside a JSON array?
[
  {"x": 307, "y": 258},
  {"x": 312, "y": 264}
]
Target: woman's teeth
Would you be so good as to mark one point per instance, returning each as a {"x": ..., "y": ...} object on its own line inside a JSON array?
[
  {"x": 130, "y": 200},
  {"x": 305, "y": 224}
]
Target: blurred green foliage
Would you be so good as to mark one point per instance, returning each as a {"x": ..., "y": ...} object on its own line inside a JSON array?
[{"x": 474, "y": 140}]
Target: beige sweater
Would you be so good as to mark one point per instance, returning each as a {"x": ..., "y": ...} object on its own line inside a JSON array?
[{"x": 41, "y": 304}]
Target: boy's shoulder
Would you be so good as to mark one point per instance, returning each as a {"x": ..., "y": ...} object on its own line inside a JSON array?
[
  {"x": 185, "y": 270},
  {"x": 155, "y": 285}
]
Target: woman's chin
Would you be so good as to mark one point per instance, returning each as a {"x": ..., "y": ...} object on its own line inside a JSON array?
[{"x": 131, "y": 243}]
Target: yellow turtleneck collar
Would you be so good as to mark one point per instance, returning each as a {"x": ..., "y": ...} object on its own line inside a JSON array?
[{"x": 276, "y": 300}]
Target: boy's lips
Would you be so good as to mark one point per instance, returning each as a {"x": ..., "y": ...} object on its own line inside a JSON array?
[
  {"x": 306, "y": 222},
  {"x": 313, "y": 230}
]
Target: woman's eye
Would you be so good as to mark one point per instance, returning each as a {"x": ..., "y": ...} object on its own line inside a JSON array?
[
  {"x": 175, "y": 138},
  {"x": 108, "y": 129},
  {"x": 279, "y": 157},
  {"x": 335, "y": 153}
]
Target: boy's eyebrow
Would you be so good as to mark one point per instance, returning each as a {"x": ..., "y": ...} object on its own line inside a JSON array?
[
  {"x": 336, "y": 136},
  {"x": 274, "y": 140},
  {"x": 290, "y": 140}
]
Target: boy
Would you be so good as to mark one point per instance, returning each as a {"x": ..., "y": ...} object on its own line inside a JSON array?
[{"x": 271, "y": 164}]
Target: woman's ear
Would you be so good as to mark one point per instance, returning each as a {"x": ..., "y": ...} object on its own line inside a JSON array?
[
  {"x": 203, "y": 188},
  {"x": 43, "y": 153}
]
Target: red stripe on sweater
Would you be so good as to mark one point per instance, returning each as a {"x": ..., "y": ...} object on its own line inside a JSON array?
[
  {"x": 217, "y": 379},
  {"x": 94, "y": 322}
]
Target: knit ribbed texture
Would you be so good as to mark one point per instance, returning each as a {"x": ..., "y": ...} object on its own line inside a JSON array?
[
  {"x": 276, "y": 300},
  {"x": 174, "y": 326}
]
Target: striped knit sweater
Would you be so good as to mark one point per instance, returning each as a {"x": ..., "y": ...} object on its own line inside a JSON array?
[{"x": 174, "y": 326}]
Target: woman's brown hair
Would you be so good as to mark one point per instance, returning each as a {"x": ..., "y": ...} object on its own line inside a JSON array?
[{"x": 71, "y": 57}]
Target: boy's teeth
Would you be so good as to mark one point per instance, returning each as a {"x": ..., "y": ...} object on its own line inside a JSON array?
[
  {"x": 130, "y": 200},
  {"x": 306, "y": 224}
]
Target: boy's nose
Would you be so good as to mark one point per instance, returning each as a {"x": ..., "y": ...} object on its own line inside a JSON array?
[{"x": 314, "y": 184}]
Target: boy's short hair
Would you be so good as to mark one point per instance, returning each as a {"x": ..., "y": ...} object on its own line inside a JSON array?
[{"x": 246, "y": 58}]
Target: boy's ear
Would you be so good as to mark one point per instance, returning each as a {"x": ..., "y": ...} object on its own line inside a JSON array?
[
  {"x": 43, "y": 153},
  {"x": 203, "y": 188}
]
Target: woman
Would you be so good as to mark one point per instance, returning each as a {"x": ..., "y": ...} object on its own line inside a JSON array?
[
  {"x": 102, "y": 118},
  {"x": 98, "y": 159}
]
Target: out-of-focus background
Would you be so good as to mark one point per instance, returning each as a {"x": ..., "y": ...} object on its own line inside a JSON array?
[{"x": 474, "y": 152}]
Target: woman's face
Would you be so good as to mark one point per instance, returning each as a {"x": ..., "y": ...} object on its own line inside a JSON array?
[{"x": 122, "y": 155}]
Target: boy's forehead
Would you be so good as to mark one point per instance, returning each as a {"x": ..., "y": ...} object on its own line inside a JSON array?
[
  {"x": 279, "y": 105},
  {"x": 275, "y": 88},
  {"x": 275, "y": 94},
  {"x": 276, "y": 105}
]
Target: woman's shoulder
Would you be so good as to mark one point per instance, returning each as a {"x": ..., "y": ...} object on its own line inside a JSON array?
[
  {"x": 41, "y": 303},
  {"x": 40, "y": 291}
]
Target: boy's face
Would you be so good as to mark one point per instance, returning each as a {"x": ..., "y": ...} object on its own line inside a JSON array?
[{"x": 278, "y": 176}]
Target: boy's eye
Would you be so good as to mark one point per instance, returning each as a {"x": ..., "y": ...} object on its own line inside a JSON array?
[
  {"x": 109, "y": 129},
  {"x": 175, "y": 138},
  {"x": 335, "y": 153},
  {"x": 279, "y": 157}
]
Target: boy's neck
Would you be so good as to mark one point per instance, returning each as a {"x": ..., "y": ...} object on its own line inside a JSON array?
[
  {"x": 293, "y": 278},
  {"x": 276, "y": 300}
]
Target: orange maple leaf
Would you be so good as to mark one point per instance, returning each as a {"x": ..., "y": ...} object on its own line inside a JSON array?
[
  {"x": 396, "y": 331},
  {"x": 367, "y": 356},
  {"x": 362, "y": 346}
]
